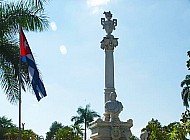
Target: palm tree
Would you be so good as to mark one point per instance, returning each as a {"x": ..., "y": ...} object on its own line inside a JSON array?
[
  {"x": 12, "y": 133},
  {"x": 65, "y": 133},
  {"x": 30, "y": 15},
  {"x": 28, "y": 135},
  {"x": 38, "y": 3},
  {"x": 55, "y": 126},
  {"x": 5, "y": 122},
  {"x": 185, "y": 94},
  {"x": 77, "y": 131},
  {"x": 6, "y": 126},
  {"x": 85, "y": 116}
]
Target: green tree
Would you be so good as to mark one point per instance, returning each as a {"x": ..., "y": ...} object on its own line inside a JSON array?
[
  {"x": 6, "y": 126},
  {"x": 176, "y": 131},
  {"x": 28, "y": 135},
  {"x": 173, "y": 131},
  {"x": 85, "y": 116},
  {"x": 185, "y": 94},
  {"x": 55, "y": 126},
  {"x": 11, "y": 133},
  {"x": 65, "y": 133},
  {"x": 5, "y": 122},
  {"x": 30, "y": 15},
  {"x": 155, "y": 129},
  {"x": 77, "y": 129},
  {"x": 58, "y": 131}
]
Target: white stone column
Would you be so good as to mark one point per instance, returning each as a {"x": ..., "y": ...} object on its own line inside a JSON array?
[
  {"x": 109, "y": 69},
  {"x": 108, "y": 44},
  {"x": 109, "y": 74}
]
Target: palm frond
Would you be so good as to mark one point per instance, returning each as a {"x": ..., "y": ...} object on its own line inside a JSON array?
[
  {"x": 185, "y": 94},
  {"x": 186, "y": 81},
  {"x": 39, "y": 3},
  {"x": 30, "y": 17},
  {"x": 9, "y": 83},
  {"x": 9, "y": 69},
  {"x": 188, "y": 53}
]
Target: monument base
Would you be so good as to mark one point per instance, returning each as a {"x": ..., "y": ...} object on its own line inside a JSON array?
[{"x": 103, "y": 130}]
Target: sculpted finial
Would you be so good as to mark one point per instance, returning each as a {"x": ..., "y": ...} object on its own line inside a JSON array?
[
  {"x": 108, "y": 24},
  {"x": 109, "y": 42}
]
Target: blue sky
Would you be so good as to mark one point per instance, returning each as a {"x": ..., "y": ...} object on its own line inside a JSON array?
[{"x": 150, "y": 62}]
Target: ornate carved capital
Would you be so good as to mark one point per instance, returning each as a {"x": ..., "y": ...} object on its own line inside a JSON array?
[{"x": 109, "y": 43}]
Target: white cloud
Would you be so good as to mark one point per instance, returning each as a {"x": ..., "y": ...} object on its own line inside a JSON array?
[
  {"x": 94, "y": 3},
  {"x": 53, "y": 26},
  {"x": 96, "y": 10},
  {"x": 63, "y": 49}
]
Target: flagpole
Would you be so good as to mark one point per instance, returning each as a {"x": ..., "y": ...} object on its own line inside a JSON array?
[
  {"x": 19, "y": 79},
  {"x": 37, "y": 84}
]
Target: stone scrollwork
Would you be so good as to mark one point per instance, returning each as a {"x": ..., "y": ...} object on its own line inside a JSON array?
[{"x": 115, "y": 133}]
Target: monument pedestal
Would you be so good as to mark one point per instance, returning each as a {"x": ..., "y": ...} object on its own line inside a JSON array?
[{"x": 103, "y": 130}]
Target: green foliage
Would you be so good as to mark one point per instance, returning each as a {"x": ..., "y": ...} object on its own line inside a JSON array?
[
  {"x": 185, "y": 94},
  {"x": 28, "y": 135},
  {"x": 9, "y": 131},
  {"x": 67, "y": 133},
  {"x": 53, "y": 130},
  {"x": 5, "y": 122},
  {"x": 188, "y": 64},
  {"x": 185, "y": 119},
  {"x": 30, "y": 15},
  {"x": 12, "y": 133},
  {"x": 173, "y": 131},
  {"x": 58, "y": 131},
  {"x": 85, "y": 116},
  {"x": 77, "y": 129},
  {"x": 6, "y": 126},
  {"x": 156, "y": 131}
]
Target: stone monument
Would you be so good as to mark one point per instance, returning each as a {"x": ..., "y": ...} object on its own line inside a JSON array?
[{"x": 110, "y": 127}]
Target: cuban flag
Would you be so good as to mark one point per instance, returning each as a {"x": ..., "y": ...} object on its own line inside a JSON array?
[{"x": 26, "y": 56}]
